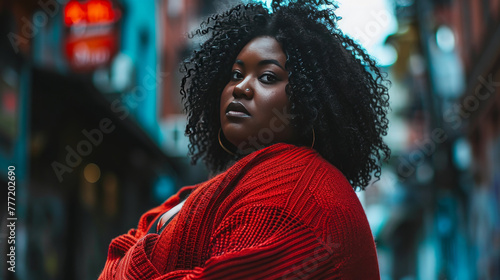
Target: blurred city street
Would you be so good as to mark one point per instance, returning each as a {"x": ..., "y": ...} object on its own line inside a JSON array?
[{"x": 92, "y": 130}]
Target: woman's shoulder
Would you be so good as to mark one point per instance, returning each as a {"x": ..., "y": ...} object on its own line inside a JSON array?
[
  {"x": 306, "y": 187},
  {"x": 323, "y": 185},
  {"x": 329, "y": 185},
  {"x": 295, "y": 175}
]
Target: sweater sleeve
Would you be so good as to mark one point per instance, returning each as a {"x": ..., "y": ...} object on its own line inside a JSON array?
[
  {"x": 262, "y": 243},
  {"x": 266, "y": 243}
]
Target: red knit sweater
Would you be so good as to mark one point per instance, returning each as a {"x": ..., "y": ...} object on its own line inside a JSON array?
[{"x": 281, "y": 212}]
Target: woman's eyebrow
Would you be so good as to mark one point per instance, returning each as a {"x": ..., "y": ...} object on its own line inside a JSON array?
[
  {"x": 271, "y": 61},
  {"x": 239, "y": 62},
  {"x": 262, "y": 62}
]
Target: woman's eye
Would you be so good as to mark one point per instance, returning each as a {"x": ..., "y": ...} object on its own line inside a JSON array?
[
  {"x": 268, "y": 78},
  {"x": 235, "y": 75}
]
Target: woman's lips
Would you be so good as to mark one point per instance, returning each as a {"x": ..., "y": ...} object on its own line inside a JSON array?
[
  {"x": 237, "y": 114},
  {"x": 237, "y": 109}
]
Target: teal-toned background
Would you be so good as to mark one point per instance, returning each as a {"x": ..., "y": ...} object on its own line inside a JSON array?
[{"x": 434, "y": 213}]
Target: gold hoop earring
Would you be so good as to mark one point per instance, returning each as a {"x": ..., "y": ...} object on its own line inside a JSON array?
[
  {"x": 314, "y": 138},
  {"x": 220, "y": 143}
]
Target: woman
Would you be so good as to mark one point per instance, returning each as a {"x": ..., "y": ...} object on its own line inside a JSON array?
[{"x": 290, "y": 113}]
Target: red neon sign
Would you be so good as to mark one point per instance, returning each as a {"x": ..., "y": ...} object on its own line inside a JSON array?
[
  {"x": 92, "y": 46},
  {"x": 90, "y": 12},
  {"x": 90, "y": 53}
]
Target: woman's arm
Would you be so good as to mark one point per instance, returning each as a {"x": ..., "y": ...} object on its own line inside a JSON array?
[{"x": 262, "y": 243}]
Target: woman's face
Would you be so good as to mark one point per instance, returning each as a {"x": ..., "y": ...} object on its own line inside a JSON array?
[{"x": 254, "y": 107}]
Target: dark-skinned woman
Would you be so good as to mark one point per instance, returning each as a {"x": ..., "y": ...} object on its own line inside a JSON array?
[{"x": 288, "y": 114}]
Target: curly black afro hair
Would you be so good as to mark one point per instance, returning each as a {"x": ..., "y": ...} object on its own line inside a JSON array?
[{"x": 334, "y": 86}]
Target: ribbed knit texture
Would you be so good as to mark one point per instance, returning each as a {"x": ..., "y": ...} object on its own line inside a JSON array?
[{"x": 282, "y": 212}]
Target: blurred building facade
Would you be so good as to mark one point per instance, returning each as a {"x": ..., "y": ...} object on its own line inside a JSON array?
[
  {"x": 442, "y": 185},
  {"x": 92, "y": 120},
  {"x": 85, "y": 88}
]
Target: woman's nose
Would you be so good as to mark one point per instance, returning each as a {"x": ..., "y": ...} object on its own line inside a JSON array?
[{"x": 243, "y": 89}]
